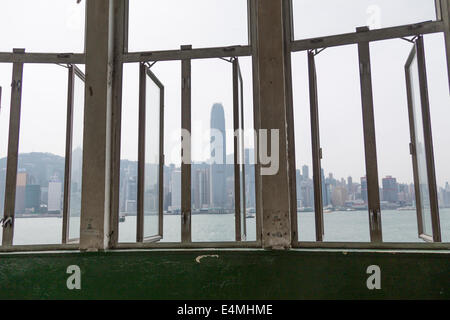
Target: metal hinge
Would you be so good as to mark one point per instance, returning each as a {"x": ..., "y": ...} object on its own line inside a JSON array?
[{"x": 412, "y": 150}]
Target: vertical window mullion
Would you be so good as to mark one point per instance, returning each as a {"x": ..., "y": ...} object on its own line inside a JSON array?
[
  {"x": 236, "y": 140},
  {"x": 68, "y": 154},
  {"x": 241, "y": 98},
  {"x": 315, "y": 143},
  {"x": 373, "y": 192},
  {"x": 413, "y": 153},
  {"x": 13, "y": 151},
  {"x": 161, "y": 164},
  {"x": 141, "y": 154},
  {"x": 431, "y": 172},
  {"x": 186, "y": 236}
]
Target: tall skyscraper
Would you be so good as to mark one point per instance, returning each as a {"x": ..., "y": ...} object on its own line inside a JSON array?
[
  {"x": 20, "y": 191},
  {"x": 364, "y": 189},
  {"x": 176, "y": 190},
  {"x": 390, "y": 189},
  {"x": 218, "y": 157},
  {"x": 54, "y": 203},
  {"x": 305, "y": 170},
  {"x": 200, "y": 187}
]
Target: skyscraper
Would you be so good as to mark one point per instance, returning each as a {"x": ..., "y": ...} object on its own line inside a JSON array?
[
  {"x": 364, "y": 189},
  {"x": 176, "y": 190},
  {"x": 54, "y": 203},
  {"x": 305, "y": 170},
  {"x": 218, "y": 156},
  {"x": 20, "y": 191},
  {"x": 390, "y": 189}
]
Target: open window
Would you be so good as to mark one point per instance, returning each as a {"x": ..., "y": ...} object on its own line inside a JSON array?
[
  {"x": 421, "y": 145},
  {"x": 150, "y": 157},
  {"x": 332, "y": 196},
  {"x": 239, "y": 153},
  {"x": 316, "y": 149},
  {"x": 74, "y": 155}
]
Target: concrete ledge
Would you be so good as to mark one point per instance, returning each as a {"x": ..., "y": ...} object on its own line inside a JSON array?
[{"x": 227, "y": 274}]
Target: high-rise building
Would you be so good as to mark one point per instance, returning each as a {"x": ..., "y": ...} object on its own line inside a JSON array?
[
  {"x": 218, "y": 157},
  {"x": 33, "y": 198},
  {"x": 176, "y": 190},
  {"x": 364, "y": 189},
  {"x": 350, "y": 187},
  {"x": 390, "y": 189},
  {"x": 305, "y": 170},
  {"x": 339, "y": 196},
  {"x": 325, "y": 193},
  {"x": 20, "y": 192},
  {"x": 446, "y": 200},
  {"x": 54, "y": 203},
  {"x": 250, "y": 178},
  {"x": 200, "y": 187}
]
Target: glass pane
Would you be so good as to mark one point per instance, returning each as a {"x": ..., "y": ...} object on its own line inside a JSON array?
[
  {"x": 245, "y": 64},
  {"x": 129, "y": 153},
  {"x": 317, "y": 18},
  {"x": 40, "y": 176},
  {"x": 42, "y": 26},
  {"x": 438, "y": 91},
  {"x": 241, "y": 159},
  {"x": 202, "y": 23},
  {"x": 399, "y": 219},
  {"x": 77, "y": 160},
  {"x": 420, "y": 147},
  {"x": 303, "y": 148},
  {"x": 169, "y": 73},
  {"x": 341, "y": 137},
  {"x": 5, "y": 99},
  {"x": 212, "y": 151},
  {"x": 151, "y": 171}
]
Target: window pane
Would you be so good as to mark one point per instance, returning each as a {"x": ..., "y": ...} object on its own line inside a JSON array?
[
  {"x": 151, "y": 171},
  {"x": 316, "y": 18},
  {"x": 167, "y": 24},
  {"x": 5, "y": 84},
  {"x": 129, "y": 153},
  {"x": 341, "y": 136},
  {"x": 396, "y": 179},
  {"x": 169, "y": 73},
  {"x": 249, "y": 149},
  {"x": 303, "y": 149},
  {"x": 438, "y": 92},
  {"x": 420, "y": 147},
  {"x": 44, "y": 25},
  {"x": 77, "y": 160},
  {"x": 213, "y": 205},
  {"x": 40, "y": 176}
]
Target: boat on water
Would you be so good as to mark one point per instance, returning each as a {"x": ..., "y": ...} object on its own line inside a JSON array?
[{"x": 406, "y": 209}]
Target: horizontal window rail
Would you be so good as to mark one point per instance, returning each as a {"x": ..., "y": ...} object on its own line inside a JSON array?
[
  {"x": 27, "y": 57},
  {"x": 188, "y": 54},
  {"x": 368, "y": 36}
]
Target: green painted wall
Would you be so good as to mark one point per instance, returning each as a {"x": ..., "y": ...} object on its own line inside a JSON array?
[{"x": 234, "y": 274}]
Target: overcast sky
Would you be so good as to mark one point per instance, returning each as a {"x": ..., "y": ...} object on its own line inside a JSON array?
[{"x": 167, "y": 24}]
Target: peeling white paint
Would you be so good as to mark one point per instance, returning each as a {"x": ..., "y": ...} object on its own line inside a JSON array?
[{"x": 205, "y": 256}]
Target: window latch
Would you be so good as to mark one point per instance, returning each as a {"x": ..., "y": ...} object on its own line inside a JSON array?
[{"x": 6, "y": 222}]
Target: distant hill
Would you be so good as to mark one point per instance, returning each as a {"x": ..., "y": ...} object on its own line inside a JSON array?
[{"x": 40, "y": 166}]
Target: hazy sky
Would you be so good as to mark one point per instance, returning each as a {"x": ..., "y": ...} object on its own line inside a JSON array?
[{"x": 167, "y": 24}]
